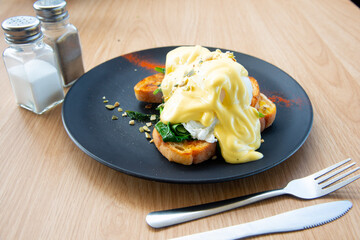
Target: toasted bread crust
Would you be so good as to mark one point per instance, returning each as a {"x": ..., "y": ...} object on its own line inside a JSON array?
[
  {"x": 268, "y": 108},
  {"x": 144, "y": 90},
  {"x": 255, "y": 92},
  {"x": 186, "y": 152}
]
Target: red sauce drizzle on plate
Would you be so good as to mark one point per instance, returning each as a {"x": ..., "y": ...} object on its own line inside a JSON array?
[{"x": 141, "y": 62}]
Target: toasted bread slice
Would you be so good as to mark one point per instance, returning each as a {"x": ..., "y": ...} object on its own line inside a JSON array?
[
  {"x": 185, "y": 152},
  {"x": 144, "y": 90},
  {"x": 268, "y": 109}
]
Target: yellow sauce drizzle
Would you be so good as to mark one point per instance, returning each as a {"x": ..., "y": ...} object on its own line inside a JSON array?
[{"x": 201, "y": 85}]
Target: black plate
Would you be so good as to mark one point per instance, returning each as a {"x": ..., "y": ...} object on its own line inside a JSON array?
[{"x": 122, "y": 147}]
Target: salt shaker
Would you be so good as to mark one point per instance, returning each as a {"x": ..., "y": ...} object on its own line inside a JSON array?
[
  {"x": 62, "y": 36},
  {"x": 31, "y": 65}
]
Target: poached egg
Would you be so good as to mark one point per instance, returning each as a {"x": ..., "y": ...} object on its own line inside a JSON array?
[{"x": 210, "y": 94}]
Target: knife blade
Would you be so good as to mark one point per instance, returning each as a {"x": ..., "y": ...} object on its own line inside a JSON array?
[{"x": 295, "y": 220}]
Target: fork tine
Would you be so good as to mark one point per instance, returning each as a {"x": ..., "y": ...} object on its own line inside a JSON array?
[
  {"x": 324, "y": 177},
  {"x": 339, "y": 185},
  {"x": 328, "y": 169},
  {"x": 324, "y": 185}
]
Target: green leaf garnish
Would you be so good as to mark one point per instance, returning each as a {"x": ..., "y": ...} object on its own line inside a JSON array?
[
  {"x": 160, "y": 70},
  {"x": 179, "y": 129},
  {"x": 142, "y": 117},
  {"x": 172, "y": 132},
  {"x": 157, "y": 90},
  {"x": 160, "y": 108},
  {"x": 261, "y": 115}
]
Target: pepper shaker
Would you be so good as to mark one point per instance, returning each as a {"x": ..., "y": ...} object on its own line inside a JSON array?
[
  {"x": 62, "y": 36},
  {"x": 31, "y": 65}
]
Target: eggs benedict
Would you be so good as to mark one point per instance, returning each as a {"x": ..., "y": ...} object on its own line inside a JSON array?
[{"x": 209, "y": 96}]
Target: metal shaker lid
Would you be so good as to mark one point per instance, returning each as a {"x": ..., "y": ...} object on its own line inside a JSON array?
[
  {"x": 21, "y": 29},
  {"x": 51, "y": 10}
]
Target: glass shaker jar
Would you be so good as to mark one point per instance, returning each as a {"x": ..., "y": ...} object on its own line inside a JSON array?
[
  {"x": 31, "y": 65},
  {"x": 62, "y": 36}
]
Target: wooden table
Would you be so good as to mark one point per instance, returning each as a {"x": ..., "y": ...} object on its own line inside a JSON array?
[{"x": 50, "y": 189}]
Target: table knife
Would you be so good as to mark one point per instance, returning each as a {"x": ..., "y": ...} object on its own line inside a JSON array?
[{"x": 298, "y": 219}]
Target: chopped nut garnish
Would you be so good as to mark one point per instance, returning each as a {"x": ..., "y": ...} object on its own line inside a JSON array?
[
  {"x": 190, "y": 73},
  {"x": 184, "y": 82},
  {"x": 116, "y": 104},
  {"x": 114, "y": 117},
  {"x": 141, "y": 129},
  {"x": 151, "y": 141},
  {"x": 148, "y": 106},
  {"x": 146, "y": 128},
  {"x": 120, "y": 109},
  {"x": 110, "y": 107},
  {"x": 131, "y": 122},
  {"x": 124, "y": 114},
  {"x": 149, "y": 124},
  {"x": 153, "y": 117},
  {"x": 187, "y": 88},
  {"x": 262, "y": 140},
  {"x": 106, "y": 101},
  {"x": 147, "y": 135}
]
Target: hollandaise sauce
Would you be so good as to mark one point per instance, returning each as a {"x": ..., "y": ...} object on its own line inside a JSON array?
[{"x": 205, "y": 86}]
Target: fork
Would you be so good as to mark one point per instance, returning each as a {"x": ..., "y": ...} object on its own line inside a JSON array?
[{"x": 313, "y": 186}]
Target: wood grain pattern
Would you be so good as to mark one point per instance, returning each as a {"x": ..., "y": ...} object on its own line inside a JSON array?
[{"x": 49, "y": 189}]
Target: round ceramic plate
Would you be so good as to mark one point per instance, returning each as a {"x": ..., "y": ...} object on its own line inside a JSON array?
[{"x": 122, "y": 147}]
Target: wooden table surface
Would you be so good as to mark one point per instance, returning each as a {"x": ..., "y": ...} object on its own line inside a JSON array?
[{"x": 50, "y": 189}]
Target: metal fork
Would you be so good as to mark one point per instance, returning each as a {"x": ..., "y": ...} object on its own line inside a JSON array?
[{"x": 313, "y": 186}]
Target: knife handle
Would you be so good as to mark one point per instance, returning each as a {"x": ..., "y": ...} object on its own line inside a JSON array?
[{"x": 167, "y": 218}]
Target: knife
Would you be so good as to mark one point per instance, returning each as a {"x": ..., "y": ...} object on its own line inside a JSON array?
[{"x": 298, "y": 219}]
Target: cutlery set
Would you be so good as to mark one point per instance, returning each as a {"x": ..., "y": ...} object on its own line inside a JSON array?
[{"x": 313, "y": 186}]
